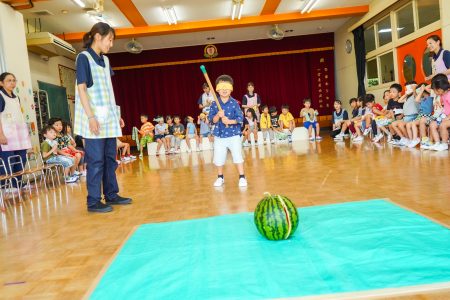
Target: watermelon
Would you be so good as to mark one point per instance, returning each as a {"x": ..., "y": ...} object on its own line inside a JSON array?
[{"x": 276, "y": 217}]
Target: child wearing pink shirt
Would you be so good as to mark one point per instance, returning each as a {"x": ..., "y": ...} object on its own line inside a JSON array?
[{"x": 439, "y": 127}]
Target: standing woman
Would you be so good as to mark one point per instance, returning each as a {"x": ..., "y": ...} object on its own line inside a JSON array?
[
  {"x": 14, "y": 136},
  {"x": 251, "y": 100},
  {"x": 97, "y": 118},
  {"x": 441, "y": 57}
]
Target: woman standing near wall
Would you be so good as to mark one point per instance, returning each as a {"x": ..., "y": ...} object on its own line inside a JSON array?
[
  {"x": 441, "y": 57},
  {"x": 14, "y": 136},
  {"x": 97, "y": 118}
]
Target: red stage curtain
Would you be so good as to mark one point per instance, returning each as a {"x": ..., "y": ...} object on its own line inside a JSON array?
[{"x": 175, "y": 89}]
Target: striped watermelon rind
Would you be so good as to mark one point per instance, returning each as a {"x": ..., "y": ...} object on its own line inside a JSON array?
[{"x": 276, "y": 217}]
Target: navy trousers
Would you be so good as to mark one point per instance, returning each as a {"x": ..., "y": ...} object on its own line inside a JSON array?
[
  {"x": 101, "y": 162},
  {"x": 16, "y": 168}
]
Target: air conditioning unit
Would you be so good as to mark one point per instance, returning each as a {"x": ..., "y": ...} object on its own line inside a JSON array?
[{"x": 45, "y": 43}]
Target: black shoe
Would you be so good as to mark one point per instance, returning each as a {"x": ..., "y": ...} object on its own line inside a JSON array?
[
  {"x": 100, "y": 208},
  {"x": 118, "y": 201}
]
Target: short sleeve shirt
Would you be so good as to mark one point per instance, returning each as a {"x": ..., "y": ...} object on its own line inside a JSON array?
[
  {"x": 84, "y": 74},
  {"x": 232, "y": 112},
  {"x": 286, "y": 119}
]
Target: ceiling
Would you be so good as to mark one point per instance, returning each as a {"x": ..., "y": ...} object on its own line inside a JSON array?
[{"x": 69, "y": 20}]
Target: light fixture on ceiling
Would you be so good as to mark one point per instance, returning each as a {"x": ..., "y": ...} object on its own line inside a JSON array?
[
  {"x": 80, "y": 3},
  {"x": 238, "y": 6},
  {"x": 386, "y": 30},
  {"x": 310, "y": 4},
  {"x": 170, "y": 14}
]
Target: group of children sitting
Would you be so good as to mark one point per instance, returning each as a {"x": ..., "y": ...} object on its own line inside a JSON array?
[
  {"x": 59, "y": 147},
  {"x": 168, "y": 132},
  {"x": 420, "y": 116}
]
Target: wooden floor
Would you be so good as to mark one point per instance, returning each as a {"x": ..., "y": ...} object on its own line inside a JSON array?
[{"x": 51, "y": 248}]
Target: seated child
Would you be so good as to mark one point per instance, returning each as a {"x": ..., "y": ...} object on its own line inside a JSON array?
[
  {"x": 357, "y": 114},
  {"x": 274, "y": 119},
  {"x": 169, "y": 134},
  {"x": 64, "y": 143},
  {"x": 191, "y": 133},
  {"x": 205, "y": 129},
  {"x": 250, "y": 125},
  {"x": 423, "y": 118},
  {"x": 178, "y": 133},
  {"x": 146, "y": 133},
  {"x": 266, "y": 125},
  {"x": 309, "y": 116},
  {"x": 410, "y": 111},
  {"x": 160, "y": 134},
  {"x": 49, "y": 149},
  {"x": 339, "y": 118},
  {"x": 441, "y": 119},
  {"x": 124, "y": 151},
  {"x": 67, "y": 128}
]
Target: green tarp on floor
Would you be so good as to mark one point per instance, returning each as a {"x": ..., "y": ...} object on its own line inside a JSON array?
[{"x": 337, "y": 248}]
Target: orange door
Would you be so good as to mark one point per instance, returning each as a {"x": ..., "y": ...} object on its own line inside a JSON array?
[{"x": 413, "y": 60}]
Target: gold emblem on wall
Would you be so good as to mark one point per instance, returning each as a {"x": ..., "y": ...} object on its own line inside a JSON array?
[{"x": 210, "y": 51}]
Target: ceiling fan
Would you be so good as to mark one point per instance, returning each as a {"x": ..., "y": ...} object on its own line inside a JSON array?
[
  {"x": 134, "y": 47},
  {"x": 275, "y": 33}
]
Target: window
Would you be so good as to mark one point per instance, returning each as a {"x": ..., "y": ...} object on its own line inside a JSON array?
[
  {"x": 405, "y": 21},
  {"x": 409, "y": 68},
  {"x": 384, "y": 31},
  {"x": 428, "y": 11},
  {"x": 387, "y": 67},
  {"x": 369, "y": 39},
  {"x": 372, "y": 73},
  {"x": 426, "y": 63}
]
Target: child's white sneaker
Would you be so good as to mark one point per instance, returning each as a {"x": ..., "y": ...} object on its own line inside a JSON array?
[
  {"x": 219, "y": 182},
  {"x": 358, "y": 139},
  {"x": 338, "y": 138},
  {"x": 272, "y": 141},
  {"x": 71, "y": 179},
  {"x": 177, "y": 151},
  {"x": 242, "y": 182},
  {"x": 414, "y": 143},
  {"x": 378, "y": 137},
  {"x": 246, "y": 144},
  {"x": 403, "y": 142},
  {"x": 312, "y": 139},
  {"x": 83, "y": 173},
  {"x": 199, "y": 148},
  {"x": 319, "y": 138},
  {"x": 132, "y": 157},
  {"x": 367, "y": 131},
  {"x": 439, "y": 147}
]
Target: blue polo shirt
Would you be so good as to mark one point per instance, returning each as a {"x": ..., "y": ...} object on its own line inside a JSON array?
[
  {"x": 426, "y": 106},
  {"x": 84, "y": 74},
  {"x": 2, "y": 101},
  {"x": 233, "y": 112}
]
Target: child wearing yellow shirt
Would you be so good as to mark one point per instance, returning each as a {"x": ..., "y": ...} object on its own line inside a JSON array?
[
  {"x": 266, "y": 126},
  {"x": 286, "y": 121}
]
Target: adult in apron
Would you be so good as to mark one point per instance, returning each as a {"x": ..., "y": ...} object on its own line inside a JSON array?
[
  {"x": 251, "y": 100},
  {"x": 97, "y": 118},
  {"x": 441, "y": 57},
  {"x": 206, "y": 99},
  {"x": 14, "y": 135}
]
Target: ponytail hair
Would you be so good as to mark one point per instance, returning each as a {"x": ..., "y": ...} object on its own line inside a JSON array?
[{"x": 101, "y": 28}]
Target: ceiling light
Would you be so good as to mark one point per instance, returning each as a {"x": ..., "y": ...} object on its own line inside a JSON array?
[
  {"x": 309, "y": 6},
  {"x": 170, "y": 14},
  {"x": 80, "y": 3},
  {"x": 238, "y": 6}
]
